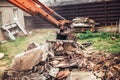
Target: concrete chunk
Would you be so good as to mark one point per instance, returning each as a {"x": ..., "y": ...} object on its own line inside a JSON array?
[
  {"x": 27, "y": 60},
  {"x": 2, "y": 55},
  {"x": 77, "y": 75},
  {"x": 53, "y": 72}
]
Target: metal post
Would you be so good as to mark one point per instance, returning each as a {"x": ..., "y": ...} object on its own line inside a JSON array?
[
  {"x": 105, "y": 7},
  {"x": 119, "y": 25}
]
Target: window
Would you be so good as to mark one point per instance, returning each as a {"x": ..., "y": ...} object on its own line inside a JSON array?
[{"x": 15, "y": 13}]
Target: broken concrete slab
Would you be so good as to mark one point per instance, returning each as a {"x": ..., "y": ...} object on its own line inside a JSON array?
[
  {"x": 53, "y": 72},
  {"x": 2, "y": 55},
  {"x": 32, "y": 45},
  {"x": 14, "y": 28},
  {"x": 4, "y": 41},
  {"x": 82, "y": 75},
  {"x": 28, "y": 59}
]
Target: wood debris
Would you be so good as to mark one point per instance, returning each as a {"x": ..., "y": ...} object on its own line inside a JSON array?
[{"x": 61, "y": 58}]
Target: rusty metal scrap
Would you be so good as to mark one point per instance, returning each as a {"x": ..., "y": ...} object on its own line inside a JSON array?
[{"x": 63, "y": 58}]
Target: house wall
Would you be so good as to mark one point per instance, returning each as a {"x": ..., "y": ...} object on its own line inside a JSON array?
[
  {"x": 8, "y": 15},
  {"x": 8, "y": 12}
]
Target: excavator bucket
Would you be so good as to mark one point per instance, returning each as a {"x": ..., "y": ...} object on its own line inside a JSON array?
[{"x": 66, "y": 35}]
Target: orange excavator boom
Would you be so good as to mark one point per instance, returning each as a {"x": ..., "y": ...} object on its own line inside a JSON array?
[{"x": 35, "y": 7}]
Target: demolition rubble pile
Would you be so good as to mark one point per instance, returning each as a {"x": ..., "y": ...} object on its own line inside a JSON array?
[{"x": 57, "y": 60}]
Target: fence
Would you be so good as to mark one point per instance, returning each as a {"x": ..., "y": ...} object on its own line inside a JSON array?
[{"x": 105, "y": 13}]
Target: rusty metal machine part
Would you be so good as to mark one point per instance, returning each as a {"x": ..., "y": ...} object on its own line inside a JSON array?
[{"x": 82, "y": 24}]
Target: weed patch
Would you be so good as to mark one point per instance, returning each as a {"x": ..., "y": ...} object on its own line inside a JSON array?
[{"x": 101, "y": 41}]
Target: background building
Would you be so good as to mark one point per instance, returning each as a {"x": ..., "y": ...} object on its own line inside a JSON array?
[{"x": 8, "y": 13}]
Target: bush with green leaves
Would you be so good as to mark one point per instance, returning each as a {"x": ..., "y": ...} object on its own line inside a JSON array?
[
  {"x": 104, "y": 35},
  {"x": 89, "y": 34},
  {"x": 86, "y": 35}
]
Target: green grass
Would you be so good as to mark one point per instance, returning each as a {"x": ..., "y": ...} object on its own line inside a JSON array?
[
  {"x": 101, "y": 41},
  {"x": 11, "y": 48}
]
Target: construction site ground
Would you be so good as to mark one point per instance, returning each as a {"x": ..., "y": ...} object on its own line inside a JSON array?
[
  {"x": 39, "y": 36},
  {"x": 11, "y": 48}
]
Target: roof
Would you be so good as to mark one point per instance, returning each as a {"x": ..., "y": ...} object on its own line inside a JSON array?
[
  {"x": 75, "y": 2},
  {"x": 5, "y": 3}
]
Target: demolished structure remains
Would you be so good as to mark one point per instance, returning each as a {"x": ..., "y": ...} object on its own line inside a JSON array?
[
  {"x": 8, "y": 14},
  {"x": 60, "y": 59},
  {"x": 63, "y": 60}
]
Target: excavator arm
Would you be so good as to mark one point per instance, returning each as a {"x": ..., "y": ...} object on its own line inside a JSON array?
[{"x": 35, "y": 7}]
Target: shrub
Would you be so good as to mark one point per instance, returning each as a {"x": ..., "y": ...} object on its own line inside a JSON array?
[
  {"x": 89, "y": 34},
  {"x": 104, "y": 35},
  {"x": 86, "y": 35}
]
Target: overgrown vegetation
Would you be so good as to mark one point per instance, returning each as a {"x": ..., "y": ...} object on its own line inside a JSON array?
[{"x": 102, "y": 41}]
